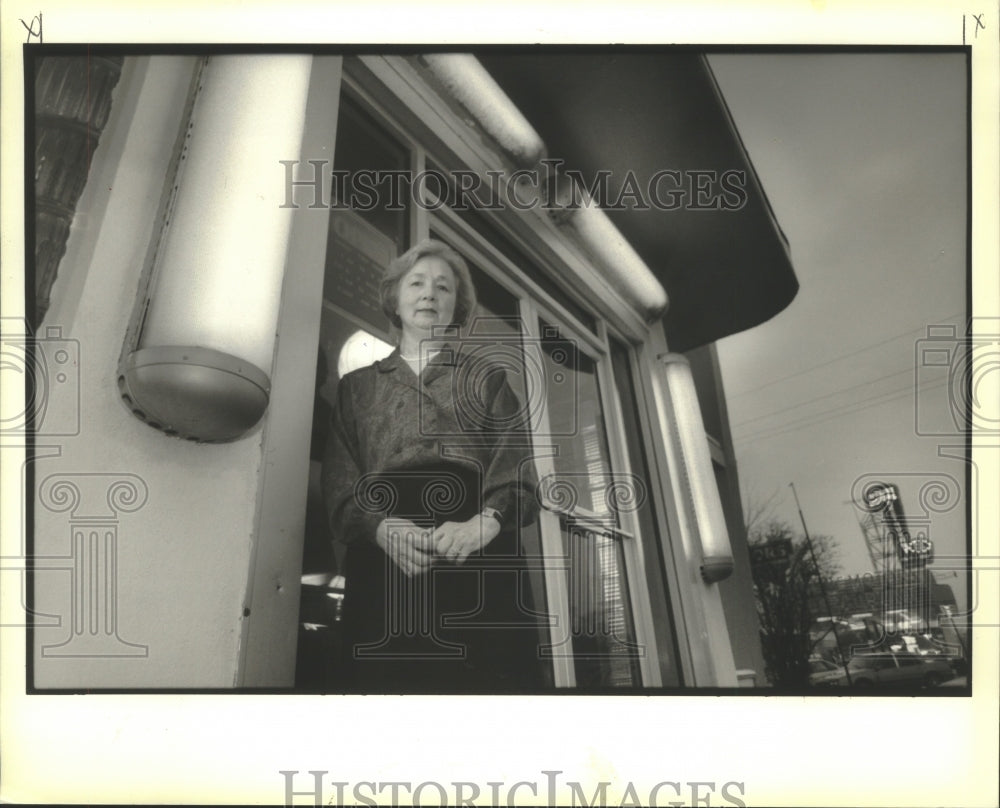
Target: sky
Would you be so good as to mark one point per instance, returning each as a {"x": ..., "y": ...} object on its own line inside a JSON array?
[{"x": 863, "y": 158}]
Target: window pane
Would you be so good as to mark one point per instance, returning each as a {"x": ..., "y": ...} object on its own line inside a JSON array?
[
  {"x": 576, "y": 423},
  {"x": 363, "y": 145},
  {"x": 366, "y": 229},
  {"x": 605, "y": 653}
]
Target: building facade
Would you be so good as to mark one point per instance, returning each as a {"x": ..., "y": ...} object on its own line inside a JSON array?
[{"x": 220, "y": 275}]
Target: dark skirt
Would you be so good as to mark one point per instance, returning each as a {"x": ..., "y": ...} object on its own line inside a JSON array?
[{"x": 468, "y": 628}]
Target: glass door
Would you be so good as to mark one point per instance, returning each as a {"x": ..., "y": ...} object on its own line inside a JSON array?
[
  {"x": 586, "y": 564},
  {"x": 583, "y": 490},
  {"x": 591, "y": 496}
]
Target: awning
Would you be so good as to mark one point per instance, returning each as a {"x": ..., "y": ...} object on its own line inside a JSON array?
[{"x": 639, "y": 113}]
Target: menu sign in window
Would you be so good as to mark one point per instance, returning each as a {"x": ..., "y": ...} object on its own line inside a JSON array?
[{"x": 357, "y": 254}]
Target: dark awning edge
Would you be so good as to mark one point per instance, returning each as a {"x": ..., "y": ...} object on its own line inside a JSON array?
[
  {"x": 639, "y": 111},
  {"x": 786, "y": 294}
]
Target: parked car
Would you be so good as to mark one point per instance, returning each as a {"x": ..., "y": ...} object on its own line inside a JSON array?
[
  {"x": 898, "y": 621},
  {"x": 818, "y": 667},
  {"x": 888, "y": 670}
]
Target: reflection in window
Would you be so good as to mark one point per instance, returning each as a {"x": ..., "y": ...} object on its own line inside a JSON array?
[
  {"x": 605, "y": 653},
  {"x": 365, "y": 150},
  {"x": 359, "y": 351},
  {"x": 576, "y": 422}
]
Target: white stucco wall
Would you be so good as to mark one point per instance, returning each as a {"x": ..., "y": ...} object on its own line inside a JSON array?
[{"x": 183, "y": 556}]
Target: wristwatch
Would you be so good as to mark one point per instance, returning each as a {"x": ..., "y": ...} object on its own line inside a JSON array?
[{"x": 493, "y": 512}]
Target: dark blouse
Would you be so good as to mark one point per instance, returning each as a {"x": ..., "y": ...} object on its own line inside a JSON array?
[{"x": 459, "y": 413}]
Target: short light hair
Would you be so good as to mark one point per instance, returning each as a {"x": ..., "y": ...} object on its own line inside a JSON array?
[{"x": 465, "y": 293}]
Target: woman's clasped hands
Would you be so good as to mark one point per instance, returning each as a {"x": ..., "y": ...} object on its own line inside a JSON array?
[{"x": 415, "y": 549}]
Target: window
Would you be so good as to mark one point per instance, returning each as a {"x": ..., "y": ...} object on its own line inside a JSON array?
[{"x": 367, "y": 150}]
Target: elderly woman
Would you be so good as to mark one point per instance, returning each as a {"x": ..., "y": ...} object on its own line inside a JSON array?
[{"x": 427, "y": 477}]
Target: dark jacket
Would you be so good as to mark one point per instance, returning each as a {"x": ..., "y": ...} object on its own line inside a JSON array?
[{"x": 460, "y": 413}]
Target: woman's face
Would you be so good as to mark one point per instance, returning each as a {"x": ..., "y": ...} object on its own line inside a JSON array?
[{"x": 427, "y": 296}]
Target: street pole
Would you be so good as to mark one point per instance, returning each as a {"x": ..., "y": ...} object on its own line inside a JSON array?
[
  {"x": 863, "y": 527},
  {"x": 819, "y": 577}
]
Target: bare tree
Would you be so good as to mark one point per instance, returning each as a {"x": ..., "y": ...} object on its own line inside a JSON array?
[
  {"x": 785, "y": 589},
  {"x": 758, "y": 510}
]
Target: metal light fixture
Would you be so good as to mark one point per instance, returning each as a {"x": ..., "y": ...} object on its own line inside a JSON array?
[
  {"x": 200, "y": 365},
  {"x": 469, "y": 83},
  {"x": 622, "y": 265},
  {"x": 698, "y": 478}
]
